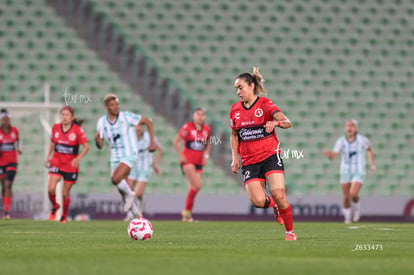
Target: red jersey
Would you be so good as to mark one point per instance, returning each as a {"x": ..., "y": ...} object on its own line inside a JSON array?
[
  {"x": 8, "y": 152},
  {"x": 66, "y": 146},
  {"x": 255, "y": 144},
  {"x": 194, "y": 142}
]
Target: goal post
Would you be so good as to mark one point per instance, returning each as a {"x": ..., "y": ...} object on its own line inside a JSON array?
[{"x": 47, "y": 113}]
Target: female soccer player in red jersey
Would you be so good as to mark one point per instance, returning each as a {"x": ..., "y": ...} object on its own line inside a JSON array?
[
  {"x": 65, "y": 140},
  {"x": 195, "y": 136},
  {"x": 9, "y": 141},
  {"x": 253, "y": 120}
]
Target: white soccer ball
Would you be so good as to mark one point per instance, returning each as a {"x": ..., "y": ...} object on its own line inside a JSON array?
[{"x": 140, "y": 229}]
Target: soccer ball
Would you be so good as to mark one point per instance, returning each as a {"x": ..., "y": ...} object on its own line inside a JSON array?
[{"x": 140, "y": 229}]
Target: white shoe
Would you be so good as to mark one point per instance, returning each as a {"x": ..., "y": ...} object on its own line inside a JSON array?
[
  {"x": 128, "y": 202},
  {"x": 356, "y": 215}
]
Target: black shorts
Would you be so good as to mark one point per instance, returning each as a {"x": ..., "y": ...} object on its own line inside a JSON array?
[
  {"x": 198, "y": 167},
  {"x": 68, "y": 177},
  {"x": 8, "y": 171},
  {"x": 259, "y": 171}
]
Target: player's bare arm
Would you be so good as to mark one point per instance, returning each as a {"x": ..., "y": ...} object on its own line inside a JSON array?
[
  {"x": 330, "y": 155},
  {"x": 49, "y": 151},
  {"x": 156, "y": 160},
  {"x": 234, "y": 143},
  {"x": 18, "y": 147},
  {"x": 281, "y": 120},
  {"x": 153, "y": 146},
  {"x": 371, "y": 159},
  {"x": 206, "y": 155},
  {"x": 177, "y": 140},
  {"x": 98, "y": 141},
  {"x": 85, "y": 149}
]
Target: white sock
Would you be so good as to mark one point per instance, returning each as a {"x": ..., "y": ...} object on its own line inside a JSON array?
[
  {"x": 347, "y": 213},
  {"x": 140, "y": 204},
  {"x": 355, "y": 205},
  {"x": 124, "y": 187}
]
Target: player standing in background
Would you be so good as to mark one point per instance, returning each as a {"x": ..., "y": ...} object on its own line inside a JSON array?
[
  {"x": 65, "y": 140},
  {"x": 196, "y": 142},
  {"x": 253, "y": 120},
  {"x": 9, "y": 141},
  {"x": 141, "y": 172},
  {"x": 118, "y": 129},
  {"x": 352, "y": 147}
]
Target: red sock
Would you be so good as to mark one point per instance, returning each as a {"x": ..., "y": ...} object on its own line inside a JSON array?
[
  {"x": 2, "y": 199},
  {"x": 52, "y": 198},
  {"x": 66, "y": 203},
  {"x": 6, "y": 203},
  {"x": 286, "y": 214},
  {"x": 271, "y": 201},
  {"x": 189, "y": 202}
]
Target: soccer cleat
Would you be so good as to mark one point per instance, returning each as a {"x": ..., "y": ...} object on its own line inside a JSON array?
[
  {"x": 128, "y": 202},
  {"x": 6, "y": 216},
  {"x": 186, "y": 216},
  {"x": 62, "y": 219},
  {"x": 278, "y": 218},
  {"x": 52, "y": 215},
  {"x": 290, "y": 236}
]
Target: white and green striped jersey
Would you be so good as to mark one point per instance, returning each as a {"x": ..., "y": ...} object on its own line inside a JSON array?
[
  {"x": 120, "y": 135},
  {"x": 144, "y": 155},
  {"x": 353, "y": 154}
]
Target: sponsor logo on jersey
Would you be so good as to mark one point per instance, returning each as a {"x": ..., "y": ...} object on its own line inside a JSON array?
[
  {"x": 258, "y": 112},
  {"x": 237, "y": 116},
  {"x": 57, "y": 135},
  {"x": 247, "y": 123},
  {"x": 252, "y": 133}
]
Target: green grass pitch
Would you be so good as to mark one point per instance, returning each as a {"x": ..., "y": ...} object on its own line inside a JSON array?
[{"x": 103, "y": 247}]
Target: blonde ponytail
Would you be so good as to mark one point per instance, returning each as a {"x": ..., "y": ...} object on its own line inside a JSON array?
[{"x": 258, "y": 82}]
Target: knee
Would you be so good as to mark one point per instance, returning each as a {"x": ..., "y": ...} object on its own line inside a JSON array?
[
  {"x": 279, "y": 195},
  {"x": 115, "y": 180},
  {"x": 354, "y": 196},
  {"x": 347, "y": 198},
  {"x": 258, "y": 202}
]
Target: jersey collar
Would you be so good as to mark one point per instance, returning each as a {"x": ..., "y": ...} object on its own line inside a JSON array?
[
  {"x": 61, "y": 128},
  {"x": 254, "y": 103},
  {"x": 116, "y": 119}
]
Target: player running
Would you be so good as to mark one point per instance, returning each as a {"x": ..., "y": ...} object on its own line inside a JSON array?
[
  {"x": 118, "y": 129},
  {"x": 352, "y": 147},
  {"x": 195, "y": 136},
  {"x": 9, "y": 141},
  {"x": 141, "y": 172},
  {"x": 253, "y": 120},
  {"x": 65, "y": 140}
]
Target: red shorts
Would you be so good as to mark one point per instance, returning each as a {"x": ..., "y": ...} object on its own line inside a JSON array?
[
  {"x": 198, "y": 167},
  {"x": 68, "y": 177},
  {"x": 259, "y": 171}
]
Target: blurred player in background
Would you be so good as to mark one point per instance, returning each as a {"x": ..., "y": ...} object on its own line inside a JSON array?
[
  {"x": 196, "y": 142},
  {"x": 65, "y": 140},
  {"x": 141, "y": 172},
  {"x": 9, "y": 149},
  {"x": 253, "y": 121},
  {"x": 118, "y": 129},
  {"x": 352, "y": 147}
]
